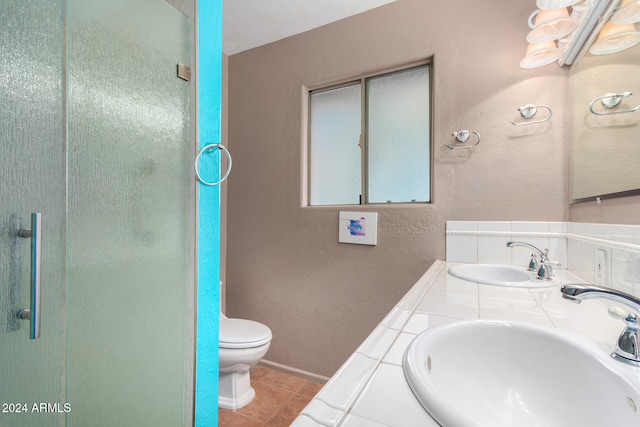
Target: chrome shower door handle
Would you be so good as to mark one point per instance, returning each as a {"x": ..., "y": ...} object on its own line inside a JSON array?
[{"x": 33, "y": 312}]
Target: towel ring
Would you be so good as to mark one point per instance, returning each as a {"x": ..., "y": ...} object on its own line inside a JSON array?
[
  {"x": 462, "y": 136},
  {"x": 612, "y": 100},
  {"x": 530, "y": 110},
  {"x": 197, "y": 168}
]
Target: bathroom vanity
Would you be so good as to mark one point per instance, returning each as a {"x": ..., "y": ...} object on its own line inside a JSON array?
[{"x": 370, "y": 389}]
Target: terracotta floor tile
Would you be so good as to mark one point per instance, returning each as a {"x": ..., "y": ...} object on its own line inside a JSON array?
[
  {"x": 279, "y": 399},
  {"x": 267, "y": 402},
  {"x": 310, "y": 389},
  {"x": 285, "y": 416},
  {"x": 283, "y": 381},
  {"x": 233, "y": 419},
  {"x": 257, "y": 373}
]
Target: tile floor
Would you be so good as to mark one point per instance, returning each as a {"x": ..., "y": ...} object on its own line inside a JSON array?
[{"x": 279, "y": 399}]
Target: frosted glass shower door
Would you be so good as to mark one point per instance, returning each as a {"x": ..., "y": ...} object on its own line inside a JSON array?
[
  {"x": 130, "y": 220},
  {"x": 32, "y": 180},
  {"x": 95, "y": 136}
]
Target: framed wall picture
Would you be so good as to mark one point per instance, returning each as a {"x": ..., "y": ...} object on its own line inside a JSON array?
[{"x": 360, "y": 228}]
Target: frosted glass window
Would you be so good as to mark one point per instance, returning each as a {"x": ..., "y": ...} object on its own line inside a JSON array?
[
  {"x": 384, "y": 158},
  {"x": 398, "y": 137},
  {"x": 335, "y": 172}
]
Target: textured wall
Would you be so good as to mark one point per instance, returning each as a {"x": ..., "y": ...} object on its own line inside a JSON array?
[{"x": 285, "y": 267}]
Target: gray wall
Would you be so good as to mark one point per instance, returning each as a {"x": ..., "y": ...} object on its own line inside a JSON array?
[{"x": 284, "y": 265}]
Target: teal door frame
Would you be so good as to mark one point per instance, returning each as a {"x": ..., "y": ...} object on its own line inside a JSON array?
[{"x": 209, "y": 96}]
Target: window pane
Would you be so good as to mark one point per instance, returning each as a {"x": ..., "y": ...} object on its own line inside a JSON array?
[
  {"x": 398, "y": 137},
  {"x": 335, "y": 171}
]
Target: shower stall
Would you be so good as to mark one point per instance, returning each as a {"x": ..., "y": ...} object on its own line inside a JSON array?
[{"x": 97, "y": 214}]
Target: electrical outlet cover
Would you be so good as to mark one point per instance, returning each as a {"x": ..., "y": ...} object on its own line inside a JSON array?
[{"x": 601, "y": 270}]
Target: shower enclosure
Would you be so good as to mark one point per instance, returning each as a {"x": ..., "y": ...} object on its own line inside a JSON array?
[{"x": 96, "y": 139}]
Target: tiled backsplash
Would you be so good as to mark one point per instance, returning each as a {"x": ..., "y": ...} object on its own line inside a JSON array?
[
  {"x": 574, "y": 245},
  {"x": 485, "y": 242}
]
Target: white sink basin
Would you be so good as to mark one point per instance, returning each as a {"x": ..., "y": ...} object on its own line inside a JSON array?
[
  {"x": 495, "y": 374},
  {"x": 501, "y": 275}
]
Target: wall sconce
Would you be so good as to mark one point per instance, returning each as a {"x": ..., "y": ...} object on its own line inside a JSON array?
[
  {"x": 629, "y": 12},
  {"x": 615, "y": 38}
]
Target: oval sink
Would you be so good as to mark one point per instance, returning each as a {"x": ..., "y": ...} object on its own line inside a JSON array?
[
  {"x": 501, "y": 275},
  {"x": 490, "y": 373}
]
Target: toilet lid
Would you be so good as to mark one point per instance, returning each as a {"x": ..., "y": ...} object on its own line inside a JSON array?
[{"x": 243, "y": 333}]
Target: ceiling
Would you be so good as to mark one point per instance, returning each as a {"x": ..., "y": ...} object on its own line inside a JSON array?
[{"x": 252, "y": 23}]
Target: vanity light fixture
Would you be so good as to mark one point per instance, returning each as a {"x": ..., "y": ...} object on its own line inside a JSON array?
[
  {"x": 555, "y": 4},
  {"x": 629, "y": 12},
  {"x": 551, "y": 25},
  {"x": 594, "y": 14},
  {"x": 615, "y": 38},
  {"x": 540, "y": 54},
  {"x": 566, "y": 23}
]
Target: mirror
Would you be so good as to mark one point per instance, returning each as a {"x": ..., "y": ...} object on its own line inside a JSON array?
[{"x": 605, "y": 140}]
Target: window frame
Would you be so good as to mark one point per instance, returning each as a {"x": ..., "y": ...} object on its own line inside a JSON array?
[{"x": 363, "y": 143}]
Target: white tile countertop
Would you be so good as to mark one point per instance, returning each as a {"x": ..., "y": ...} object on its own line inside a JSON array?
[{"x": 370, "y": 389}]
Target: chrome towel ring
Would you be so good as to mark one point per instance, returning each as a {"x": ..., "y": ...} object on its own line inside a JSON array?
[
  {"x": 461, "y": 137},
  {"x": 530, "y": 110},
  {"x": 612, "y": 100},
  {"x": 207, "y": 148}
]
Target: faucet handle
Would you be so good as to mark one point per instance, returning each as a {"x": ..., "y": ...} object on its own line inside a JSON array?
[
  {"x": 628, "y": 345},
  {"x": 631, "y": 320},
  {"x": 545, "y": 272},
  {"x": 545, "y": 257}
]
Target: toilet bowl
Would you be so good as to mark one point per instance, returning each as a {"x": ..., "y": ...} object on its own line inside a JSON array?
[{"x": 242, "y": 344}]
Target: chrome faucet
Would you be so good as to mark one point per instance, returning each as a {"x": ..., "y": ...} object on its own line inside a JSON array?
[
  {"x": 628, "y": 346},
  {"x": 539, "y": 262}
]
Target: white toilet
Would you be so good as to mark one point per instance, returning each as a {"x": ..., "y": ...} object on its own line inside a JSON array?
[{"x": 242, "y": 344}]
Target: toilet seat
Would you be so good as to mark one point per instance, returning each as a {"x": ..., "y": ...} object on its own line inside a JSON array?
[{"x": 243, "y": 333}]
